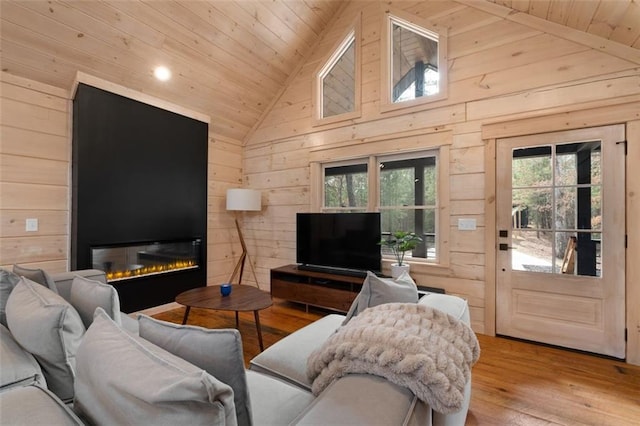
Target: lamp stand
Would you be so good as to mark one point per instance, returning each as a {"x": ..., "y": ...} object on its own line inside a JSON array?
[{"x": 239, "y": 268}]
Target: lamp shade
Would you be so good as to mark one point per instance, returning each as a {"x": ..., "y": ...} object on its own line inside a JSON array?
[{"x": 242, "y": 199}]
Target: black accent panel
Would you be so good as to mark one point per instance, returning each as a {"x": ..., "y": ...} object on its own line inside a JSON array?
[{"x": 139, "y": 174}]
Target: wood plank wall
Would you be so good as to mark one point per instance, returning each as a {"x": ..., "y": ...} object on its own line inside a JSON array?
[
  {"x": 35, "y": 172},
  {"x": 499, "y": 70}
]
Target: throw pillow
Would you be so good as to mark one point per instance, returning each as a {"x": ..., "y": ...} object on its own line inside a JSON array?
[
  {"x": 46, "y": 325},
  {"x": 377, "y": 291},
  {"x": 36, "y": 275},
  {"x": 87, "y": 295},
  {"x": 124, "y": 379},
  {"x": 8, "y": 281},
  {"x": 18, "y": 367},
  {"x": 219, "y": 352}
]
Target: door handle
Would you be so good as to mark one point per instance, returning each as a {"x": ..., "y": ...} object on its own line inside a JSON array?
[{"x": 504, "y": 247}]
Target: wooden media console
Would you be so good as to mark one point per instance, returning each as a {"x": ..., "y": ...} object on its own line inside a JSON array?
[{"x": 321, "y": 289}]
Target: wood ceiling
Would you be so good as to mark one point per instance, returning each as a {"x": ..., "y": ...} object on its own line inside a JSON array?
[
  {"x": 615, "y": 20},
  {"x": 229, "y": 59}
]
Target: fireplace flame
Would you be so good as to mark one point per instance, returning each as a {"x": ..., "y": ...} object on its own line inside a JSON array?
[{"x": 150, "y": 270}]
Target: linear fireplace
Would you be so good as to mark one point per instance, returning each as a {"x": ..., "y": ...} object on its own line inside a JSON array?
[
  {"x": 151, "y": 273},
  {"x": 131, "y": 261},
  {"x": 139, "y": 197}
]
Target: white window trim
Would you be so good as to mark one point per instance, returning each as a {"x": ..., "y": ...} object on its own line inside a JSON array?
[
  {"x": 409, "y": 156},
  {"x": 352, "y": 36},
  {"x": 443, "y": 215},
  {"x": 422, "y": 27}
]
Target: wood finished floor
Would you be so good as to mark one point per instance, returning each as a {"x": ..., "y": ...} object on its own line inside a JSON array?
[{"x": 514, "y": 382}]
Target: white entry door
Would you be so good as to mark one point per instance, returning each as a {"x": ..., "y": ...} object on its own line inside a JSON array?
[{"x": 561, "y": 239}]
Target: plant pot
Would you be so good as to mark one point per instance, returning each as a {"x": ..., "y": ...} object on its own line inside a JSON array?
[{"x": 397, "y": 270}]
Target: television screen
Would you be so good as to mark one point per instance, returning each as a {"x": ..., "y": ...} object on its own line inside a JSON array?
[{"x": 340, "y": 241}]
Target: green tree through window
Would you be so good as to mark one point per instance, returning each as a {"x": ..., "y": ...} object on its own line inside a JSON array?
[{"x": 407, "y": 189}]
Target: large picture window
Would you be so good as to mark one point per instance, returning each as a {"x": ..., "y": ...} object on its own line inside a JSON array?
[
  {"x": 408, "y": 200},
  {"x": 403, "y": 188}
]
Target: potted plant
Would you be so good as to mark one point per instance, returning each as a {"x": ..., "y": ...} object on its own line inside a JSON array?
[{"x": 399, "y": 243}]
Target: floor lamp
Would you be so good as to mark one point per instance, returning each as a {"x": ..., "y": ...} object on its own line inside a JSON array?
[{"x": 243, "y": 200}]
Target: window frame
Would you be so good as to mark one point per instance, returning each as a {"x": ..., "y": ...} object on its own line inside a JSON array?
[
  {"x": 422, "y": 27},
  {"x": 373, "y": 161},
  {"x": 352, "y": 35},
  {"x": 415, "y": 207}
]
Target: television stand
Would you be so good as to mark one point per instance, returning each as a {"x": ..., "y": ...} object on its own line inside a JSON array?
[
  {"x": 316, "y": 288},
  {"x": 333, "y": 271}
]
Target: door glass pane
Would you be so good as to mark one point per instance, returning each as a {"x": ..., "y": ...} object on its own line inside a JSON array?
[
  {"x": 566, "y": 208},
  {"x": 565, "y": 253},
  {"x": 578, "y": 253},
  {"x": 531, "y": 167},
  {"x": 531, "y": 208},
  {"x": 578, "y": 163},
  {"x": 596, "y": 208},
  {"x": 566, "y": 201},
  {"x": 532, "y": 251},
  {"x": 566, "y": 169}
]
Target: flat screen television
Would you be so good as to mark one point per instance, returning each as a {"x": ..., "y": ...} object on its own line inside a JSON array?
[{"x": 342, "y": 243}]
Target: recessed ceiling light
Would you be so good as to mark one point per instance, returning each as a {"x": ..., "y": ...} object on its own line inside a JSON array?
[{"x": 162, "y": 73}]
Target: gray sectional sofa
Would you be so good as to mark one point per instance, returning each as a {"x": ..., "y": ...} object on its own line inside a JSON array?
[{"x": 113, "y": 369}]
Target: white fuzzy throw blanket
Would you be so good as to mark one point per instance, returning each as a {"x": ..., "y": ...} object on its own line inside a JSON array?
[{"x": 411, "y": 345}]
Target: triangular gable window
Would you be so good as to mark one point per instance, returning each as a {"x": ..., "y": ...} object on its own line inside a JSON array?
[
  {"x": 415, "y": 63},
  {"x": 337, "y": 85},
  {"x": 338, "y": 80}
]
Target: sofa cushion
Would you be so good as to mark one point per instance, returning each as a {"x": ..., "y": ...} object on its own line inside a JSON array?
[
  {"x": 36, "y": 275},
  {"x": 274, "y": 402},
  {"x": 287, "y": 359},
  {"x": 124, "y": 379},
  {"x": 377, "y": 291},
  {"x": 64, "y": 280},
  {"x": 383, "y": 403},
  {"x": 33, "y": 405},
  {"x": 19, "y": 367},
  {"x": 219, "y": 352},
  {"x": 46, "y": 325},
  {"x": 455, "y": 306},
  {"x": 8, "y": 281},
  {"x": 87, "y": 295},
  {"x": 412, "y": 345}
]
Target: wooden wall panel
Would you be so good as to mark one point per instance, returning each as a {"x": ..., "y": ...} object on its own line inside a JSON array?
[
  {"x": 633, "y": 242},
  {"x": 34, "y": 144},
  {"x": 34, "y": 173},
  {"x": 500, "y": 70},
  {"x": 223, "y": 248}
]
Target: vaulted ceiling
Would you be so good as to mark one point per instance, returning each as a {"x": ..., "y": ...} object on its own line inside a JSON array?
[
  {"x": 229, "y": 58},
  {"x": 615, "y": 20}
]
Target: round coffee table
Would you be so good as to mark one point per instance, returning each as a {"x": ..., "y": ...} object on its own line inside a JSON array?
[{"x": 242, "y": 298}]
